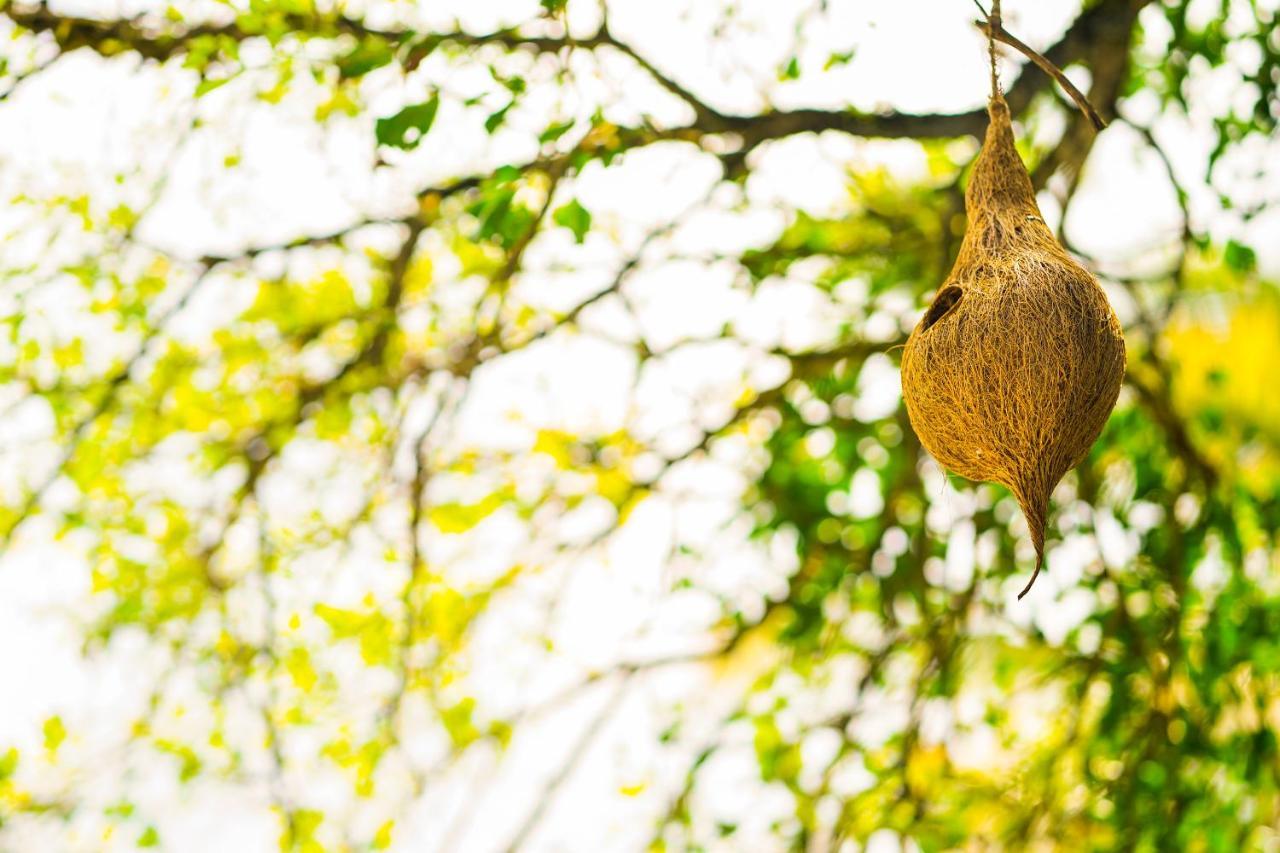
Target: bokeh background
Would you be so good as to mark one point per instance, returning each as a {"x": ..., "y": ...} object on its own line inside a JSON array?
[{"x": 476, "y": 426}]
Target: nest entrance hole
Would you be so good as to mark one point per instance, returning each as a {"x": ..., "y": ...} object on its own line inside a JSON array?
[{"x": 943, "y": 304}]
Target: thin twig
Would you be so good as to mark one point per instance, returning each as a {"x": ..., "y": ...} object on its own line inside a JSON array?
[
  {"x": 1188, "y": 236},
  {"x": 999, "y": 33},
  {"x": 995, "y": 27},
  {"x": 575, "y": 755}
]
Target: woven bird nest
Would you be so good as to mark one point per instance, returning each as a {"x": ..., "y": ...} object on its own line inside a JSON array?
[{"x": 1013, "y": 370}]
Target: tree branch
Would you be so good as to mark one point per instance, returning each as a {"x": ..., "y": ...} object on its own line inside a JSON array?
[
  {"x": 112, "y": 37},
  {"x": 575, "y": 755},
  {"x": 1107, "y": 55},
  {"x": 1003, "y": 35}
]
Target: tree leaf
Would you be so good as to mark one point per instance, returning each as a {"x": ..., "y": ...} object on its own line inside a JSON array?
[
  {"x": 555, "y": 131},
  {"x": 1240, "y": 257},
  {"x": 54, "y": 733},
  {"x": 495, "y": 119},
  {"x": 408, "y": 127},
  {"x": 575, "y": 217},
  {"x": 368, "y": 55}
]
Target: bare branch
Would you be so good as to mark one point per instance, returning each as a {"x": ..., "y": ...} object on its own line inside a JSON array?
[
  {"x": 154, "y": 41},
  {"x": 576, "y": 753},
  {"x": 1003, "y": 35},
  {"x": 1188, "y": 237}
]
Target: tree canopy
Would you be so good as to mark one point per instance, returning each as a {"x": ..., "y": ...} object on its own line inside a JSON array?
[{"x": 477, "y": 426}]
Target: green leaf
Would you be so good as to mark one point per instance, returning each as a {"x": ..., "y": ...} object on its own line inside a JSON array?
[
  {"x": 836, "y": 59},
  {"x": 505, "y": 174},
  {"x": 575, "y": 217},
  {"x": 123, "y": 809},
  {"x": 495, "y": 119},
  {"x": 1240, "y": 257},
  {"x": 492, "y": 211},
  {"x": 205, "y": 86},
  {"x": 398, "y": 130},
  {"x": 149, "y": 838},
  {"x": 555, "y": 131},
  {"x": 790, "y": 71},
  {"x": 365, "y": 57},
  {"x": 8, "y": 763},
  {"x": 418, "y": 49}
]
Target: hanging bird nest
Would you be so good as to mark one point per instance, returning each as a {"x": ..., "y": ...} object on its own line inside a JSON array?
[{"x": 1012, "y": 372}]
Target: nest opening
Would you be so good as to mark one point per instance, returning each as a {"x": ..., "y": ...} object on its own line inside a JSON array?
[{"x": 943, "y": 304}]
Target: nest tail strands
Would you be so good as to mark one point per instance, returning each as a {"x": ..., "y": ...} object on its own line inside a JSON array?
[{"x": 1014, "y": 369}]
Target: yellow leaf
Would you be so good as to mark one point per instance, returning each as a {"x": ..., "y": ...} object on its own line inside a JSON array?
[
  {"x": 298, "y": 665},
  {"x": 459, "y": 517},
  {"x": 54, "y": 734},
  {"x": 555, "y": 444},
  {"x": 382, "y": 838}
]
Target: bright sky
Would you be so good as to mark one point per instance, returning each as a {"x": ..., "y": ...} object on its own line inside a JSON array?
[{"x": 86, "y": 120}]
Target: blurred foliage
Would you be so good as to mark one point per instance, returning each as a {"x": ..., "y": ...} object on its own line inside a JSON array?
[{"x": 894, "y": 685}]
